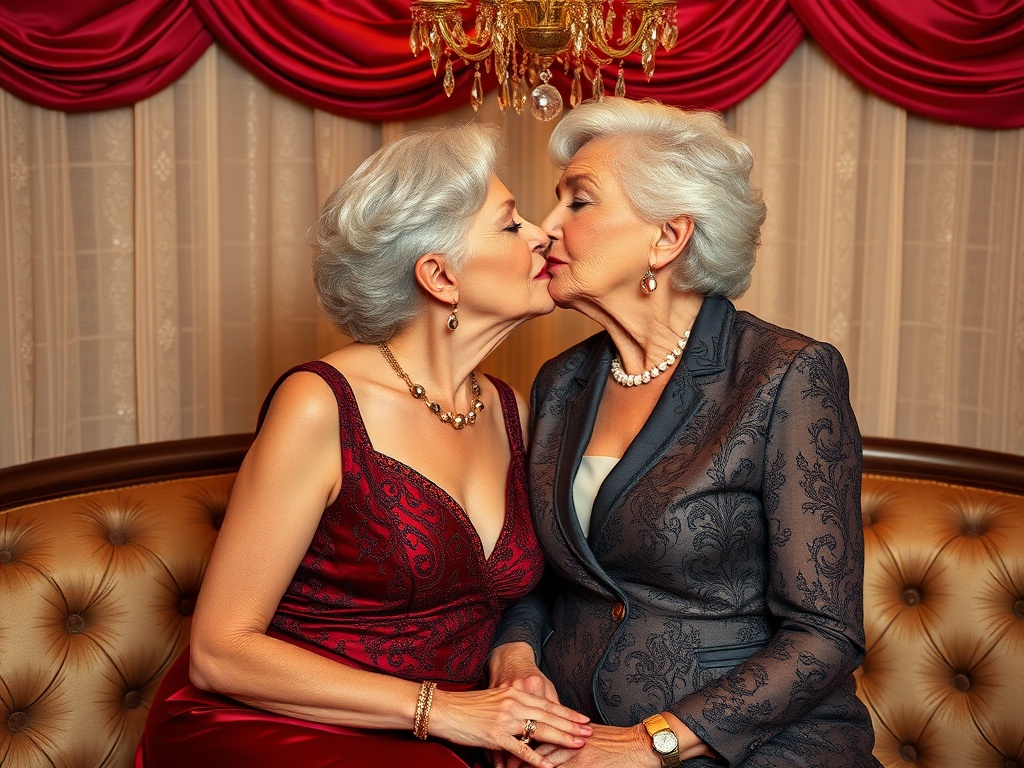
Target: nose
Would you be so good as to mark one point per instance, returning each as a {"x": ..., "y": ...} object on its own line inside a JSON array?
[
  {"x": 535, "y": 236},
  {"x": 552, "y": 223}
]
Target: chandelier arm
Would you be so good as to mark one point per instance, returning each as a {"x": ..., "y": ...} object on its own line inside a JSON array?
[
  {"x": 450, "y": 40},
  {"x": 602, "y": 43}
]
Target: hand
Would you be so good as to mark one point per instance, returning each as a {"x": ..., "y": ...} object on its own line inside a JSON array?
[
  {"x": 612, "y": 747},
  {"x": 512, "y": 666},
  {"x": 495, "y": 719}
]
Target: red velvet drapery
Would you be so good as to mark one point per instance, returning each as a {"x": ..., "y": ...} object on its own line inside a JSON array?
[{"x": 955, "y": 60}]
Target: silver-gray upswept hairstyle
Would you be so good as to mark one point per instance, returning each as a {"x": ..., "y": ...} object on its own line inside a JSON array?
[
  {"x": 670, "y": 162},
  {"x": 413, "y": 196}
]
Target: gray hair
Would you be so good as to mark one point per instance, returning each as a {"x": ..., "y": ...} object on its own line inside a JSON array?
[
  {"x": 413, "y": 196},
  {"x": 673, "y": 162}
]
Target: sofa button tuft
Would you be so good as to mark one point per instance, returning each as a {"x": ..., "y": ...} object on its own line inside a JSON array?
[
  {"x": 961, "y": 681},
  {"x": 17, "y": 721},
  {"x": 1018, "y": 608},
  {"x": 973, "y": 529},
  {"x": 6, "y": 556},
  {"x": 186, "y": 606},
  {"x": 133, "y": 699},
  {"x": 911, "y": 596},
  {"x": 909, "y": 753},
  {"x": 118, "y": 537},
  {"x": 74, "y": 624}
]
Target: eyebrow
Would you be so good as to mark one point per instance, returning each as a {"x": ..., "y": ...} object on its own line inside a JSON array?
[
  {"x": 506, "y": 208},
  {"x": 573, "y": 180}
]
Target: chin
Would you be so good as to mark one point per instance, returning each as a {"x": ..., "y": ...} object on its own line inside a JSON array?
[{"x": 558, "y": 297}]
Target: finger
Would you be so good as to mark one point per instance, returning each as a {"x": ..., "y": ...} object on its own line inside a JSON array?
[
  {"x": 558, "y": 755},
  {"x": 564, "y": 734},
  {"x": 551, "y": 728},
  {"x": 558, "y": 710},
  {"x": 521, "y": 749}
]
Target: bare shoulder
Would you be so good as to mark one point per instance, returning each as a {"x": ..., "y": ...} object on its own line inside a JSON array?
[{"x": 304, "y": 400}]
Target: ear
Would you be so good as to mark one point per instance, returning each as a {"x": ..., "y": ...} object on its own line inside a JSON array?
[
  {"x": 435, "y": 279},
  {"x": 673, "y": 236}
]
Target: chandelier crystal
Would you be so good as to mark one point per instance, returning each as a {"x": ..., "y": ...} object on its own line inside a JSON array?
[{"x": 521, "y": 39}]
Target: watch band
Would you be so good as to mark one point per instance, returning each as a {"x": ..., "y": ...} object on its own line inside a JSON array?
[{"x": 663, "y": 740}]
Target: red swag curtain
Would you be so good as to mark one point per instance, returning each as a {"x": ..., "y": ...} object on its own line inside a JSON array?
[
  {"x": 96, "y": 54},
  {"x": 956, "y": 60}
]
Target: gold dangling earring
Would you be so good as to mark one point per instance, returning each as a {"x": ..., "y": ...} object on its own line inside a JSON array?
[
  {"x": 648, "y": 283},
  {"x": 453, "y": 321}
]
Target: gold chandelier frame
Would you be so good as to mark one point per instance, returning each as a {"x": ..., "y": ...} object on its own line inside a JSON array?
[{"x": 520, "y": 40}]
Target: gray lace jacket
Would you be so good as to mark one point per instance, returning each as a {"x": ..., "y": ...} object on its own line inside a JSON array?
[{"x": 722, "y": 577}]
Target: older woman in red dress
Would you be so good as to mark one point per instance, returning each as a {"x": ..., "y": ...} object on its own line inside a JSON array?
[{"x": 371, "y": 543}]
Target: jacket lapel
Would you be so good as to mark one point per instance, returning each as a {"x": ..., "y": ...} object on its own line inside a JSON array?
[{"x": 681, "y": 400}]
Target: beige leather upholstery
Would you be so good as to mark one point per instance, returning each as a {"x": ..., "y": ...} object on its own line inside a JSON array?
[
  {"x": 944, "y": 617},
  {"x": 101, "y": 557}
]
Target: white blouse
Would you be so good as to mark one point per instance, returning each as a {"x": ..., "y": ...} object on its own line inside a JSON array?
[{"x": 592, "y": 472}]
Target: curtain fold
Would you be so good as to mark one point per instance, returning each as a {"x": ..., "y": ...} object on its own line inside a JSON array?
[
  {"x": 960, "y": 61},
  {"x": 96, "y": 54},
  {"x": 154, "y": 274}
]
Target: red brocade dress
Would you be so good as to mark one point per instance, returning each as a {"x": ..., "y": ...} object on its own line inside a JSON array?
[{"x": 394, "y": 581}]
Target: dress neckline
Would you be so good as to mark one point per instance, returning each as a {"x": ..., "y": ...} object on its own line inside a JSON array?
[{"x": 513, "y": 434}]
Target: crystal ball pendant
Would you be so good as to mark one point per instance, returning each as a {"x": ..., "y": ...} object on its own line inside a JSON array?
[{"x": 546, "y": 102}]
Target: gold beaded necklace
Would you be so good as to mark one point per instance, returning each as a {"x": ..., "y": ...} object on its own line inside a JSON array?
[{"x": 456, "y": 420}]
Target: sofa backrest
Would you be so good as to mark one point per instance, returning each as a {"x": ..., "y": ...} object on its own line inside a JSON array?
[
  {"x": 943, "y": 605},
  {"x": 97, "y": 589},
  {"x": 102, "y": 555}
]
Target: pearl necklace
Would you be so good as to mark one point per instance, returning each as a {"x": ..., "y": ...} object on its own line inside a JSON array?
[
  {"x": 635, "y": 380},
  {"x": 456, "y": 420}
]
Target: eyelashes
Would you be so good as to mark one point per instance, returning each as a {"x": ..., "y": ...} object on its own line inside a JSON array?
[{"x": 514, "y": 227}]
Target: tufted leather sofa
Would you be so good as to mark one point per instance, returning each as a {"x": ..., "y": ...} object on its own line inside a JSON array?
[{"x": 102, "y": 554}]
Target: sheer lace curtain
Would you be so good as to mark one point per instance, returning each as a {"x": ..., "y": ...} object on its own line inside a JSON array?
[{"x": 155, "y": 275}]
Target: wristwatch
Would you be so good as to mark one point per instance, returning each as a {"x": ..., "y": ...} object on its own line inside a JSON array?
[{"x": 663, "y": 739}]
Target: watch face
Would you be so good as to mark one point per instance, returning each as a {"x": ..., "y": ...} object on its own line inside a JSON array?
[{"x": 665, "y": 742}]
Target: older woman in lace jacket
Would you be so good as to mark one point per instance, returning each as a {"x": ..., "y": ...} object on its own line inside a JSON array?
[{"x": 695, "y": 473}]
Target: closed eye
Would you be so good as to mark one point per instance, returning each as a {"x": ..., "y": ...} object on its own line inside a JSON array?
[{"x": 515, "y": 226}]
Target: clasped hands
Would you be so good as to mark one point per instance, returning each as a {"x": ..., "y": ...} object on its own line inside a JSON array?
[{"x": 512, "y": 666}]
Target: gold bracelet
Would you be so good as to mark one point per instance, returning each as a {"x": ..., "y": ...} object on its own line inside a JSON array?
[{"x": 426, "y": 698}]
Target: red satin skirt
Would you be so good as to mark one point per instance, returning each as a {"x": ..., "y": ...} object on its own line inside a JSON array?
[{"x": 191, "y": 727}]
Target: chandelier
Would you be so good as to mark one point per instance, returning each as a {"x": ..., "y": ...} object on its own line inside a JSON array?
[{"x": 521, "y": 39}]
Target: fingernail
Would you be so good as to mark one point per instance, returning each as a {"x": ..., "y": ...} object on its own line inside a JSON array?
[{"x": 577, "y": 741}]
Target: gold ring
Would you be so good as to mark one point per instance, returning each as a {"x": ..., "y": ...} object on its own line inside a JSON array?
[{"x": 529, "y": 728}]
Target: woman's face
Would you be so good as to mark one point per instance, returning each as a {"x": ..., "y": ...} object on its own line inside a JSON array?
[
  {"x": 504, "y": 275},
  {"x": 600, "y": 247}
]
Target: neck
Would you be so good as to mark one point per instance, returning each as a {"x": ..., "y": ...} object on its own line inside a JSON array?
[
  {"x": 441, "y": 360},
  {"x": 645, "y": 328}
]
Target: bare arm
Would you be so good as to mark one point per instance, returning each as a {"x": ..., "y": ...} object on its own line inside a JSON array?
[{"x": 292, "y": 472}]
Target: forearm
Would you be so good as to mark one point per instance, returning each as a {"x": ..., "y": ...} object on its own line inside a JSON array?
[
  {"x": 275, "y": 675},
  {"x": 525, "y": 622},
  {"x": 763, "y": 695},
  {"x": 811, "y": 502}
]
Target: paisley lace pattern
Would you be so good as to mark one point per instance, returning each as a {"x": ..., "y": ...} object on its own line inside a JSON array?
[
  {"x": 722, "y": 575},
  {"x": 395, "y": 579}
]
